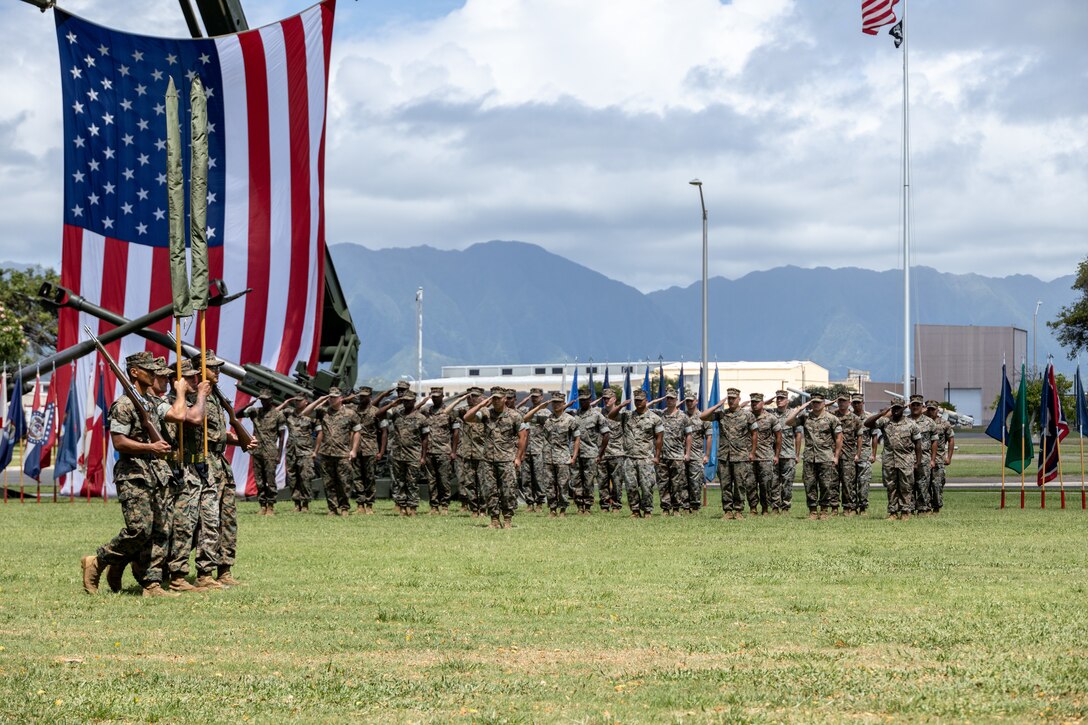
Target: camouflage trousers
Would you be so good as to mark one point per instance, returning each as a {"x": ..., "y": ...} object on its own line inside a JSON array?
[
  {"x": 197, "y": 504},
  {"x": 584, "y": 474},
  {"x": 439, "y": 473},
  {"x": 300, "y": 473},
  {"x": 847, "y": 474},
  {"x": 160, "y": 536},
  {"x": 500, "y": 485},
  {"x": 339, "y": 475},
  {"x": 763, "y": 473},
  {"x": 556, "y": 480},
  {"x": 863, "y": 471},
  {"x": 264, "y": 472},
  {"x": 610, "y": 486},
  {"x": 406, "y": 483},
  {"x": 781, "y": 498},
  {"x": 672, "y": 486},
  {"x": 141, "y": 505},
  {"x": 936, "y": 486},
  {"x": 532, "y": 479},
  {"x": 900, "y": 485},
  {"x": 472, "y": 484},
  {"x": 695, "y": 475},
  {"x": 736, "y": 481},
  {"x": 921, "y": 486},
  {"x": 781, "y": 495},
  {"x": 364, "y": 481},
  {"x": 821, "y": 485},
  {"x": 221, "y": 477},
  {"x": 641, "y": 478}
]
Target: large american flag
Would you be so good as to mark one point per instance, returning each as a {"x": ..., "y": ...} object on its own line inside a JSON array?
[
  {"x": 266, "y": 227},
  {"x": 877, "y": 13}
]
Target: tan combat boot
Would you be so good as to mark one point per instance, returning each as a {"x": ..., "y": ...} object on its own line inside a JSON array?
[
  {"x": 263, "y": 511},
  {"x": 495, "y": 523},
  {"x": 179, "y": 584},
  {"x": 206, "y": 581},
  {"x": 508, "y": 522},
  {"x": 154, "y": 589},
  {"x": 114, "y": 575},
  {"x": 271, "y": 510},
  {"x": 226, "y": 579},
  {"x": 91, "y": 573},
  {"x": 306, "y": 507},
  {"x": 298, "y": 507}
]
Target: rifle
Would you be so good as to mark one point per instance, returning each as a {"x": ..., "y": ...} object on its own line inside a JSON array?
[
  {"x": 244, "y": 438},
  {"x": 138, "y": 401}
]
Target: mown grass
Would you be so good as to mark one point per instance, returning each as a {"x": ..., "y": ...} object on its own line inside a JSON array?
[{"x": 974, "y": 615}]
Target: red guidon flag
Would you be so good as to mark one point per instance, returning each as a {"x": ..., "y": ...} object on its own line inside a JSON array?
[
  {"x": 266, "y": 90},
  {"x": 875, "y": 14}
]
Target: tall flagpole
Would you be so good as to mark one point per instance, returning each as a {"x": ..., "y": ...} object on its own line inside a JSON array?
[
  {"x": 907, "y": 352},
  {"x": 1043, "y": 432},
  {"x": 1004, "y": 421}
]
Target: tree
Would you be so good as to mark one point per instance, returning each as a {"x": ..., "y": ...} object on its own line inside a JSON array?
[
  {"x": 1071, "y": 323},
  {"x": 21, "y": 311}
]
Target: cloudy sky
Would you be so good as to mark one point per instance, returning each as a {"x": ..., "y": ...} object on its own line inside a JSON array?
[{"x": 577, "y": 125}]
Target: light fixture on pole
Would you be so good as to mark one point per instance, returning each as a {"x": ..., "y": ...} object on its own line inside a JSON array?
[
  {"x": 705, "y": 366},
  {"x": 419, "y": 349},
  {"x": 1035, "y": 340}
]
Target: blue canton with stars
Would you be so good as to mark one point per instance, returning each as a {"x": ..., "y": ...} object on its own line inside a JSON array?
[{"x": 114, "y": 88}]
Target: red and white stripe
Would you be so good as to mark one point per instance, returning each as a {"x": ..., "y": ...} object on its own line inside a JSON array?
[
  {"x": 875, "y": 14},
  {"x": 274, "y": 95}
]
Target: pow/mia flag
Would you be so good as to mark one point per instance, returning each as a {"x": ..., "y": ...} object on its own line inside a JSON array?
[{"x": 897, "y": 33}]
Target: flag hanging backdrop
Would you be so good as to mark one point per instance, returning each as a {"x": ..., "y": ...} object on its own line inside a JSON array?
[{"x": 266, "y": 93}]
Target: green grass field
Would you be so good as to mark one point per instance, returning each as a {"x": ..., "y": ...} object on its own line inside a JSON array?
[{"x": 978, "y": 614}]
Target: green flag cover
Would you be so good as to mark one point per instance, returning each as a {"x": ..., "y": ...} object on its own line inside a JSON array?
[
  {"x": 175, "y": 204},
  {"x": 198, "y": 196}
]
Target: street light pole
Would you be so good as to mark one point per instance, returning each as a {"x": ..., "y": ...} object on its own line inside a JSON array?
[
  {"x": 1035, "y": 341},
  {"x": 705, "y": 370},
  {"x": 419, "y": 348}
]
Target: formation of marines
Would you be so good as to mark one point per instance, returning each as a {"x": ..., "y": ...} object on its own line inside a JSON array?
[{"x": 177, "y": 495}]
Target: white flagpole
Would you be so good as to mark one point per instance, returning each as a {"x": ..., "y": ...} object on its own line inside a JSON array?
[{"x": 907, "y": 351}]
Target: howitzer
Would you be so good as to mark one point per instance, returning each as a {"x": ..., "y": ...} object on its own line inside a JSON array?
[
  {"x": 244, "y": 438},
  {"x": 138, "y": 401},
  {"x": 251, "y": 377}
]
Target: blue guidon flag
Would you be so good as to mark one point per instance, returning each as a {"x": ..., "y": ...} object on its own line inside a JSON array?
[{"x": 267, "y": 92}]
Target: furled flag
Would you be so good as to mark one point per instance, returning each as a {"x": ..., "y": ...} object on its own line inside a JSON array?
[
  {"x": 15, "y": 425},
  {"x": 627, "y": 387},
  {"x": 1019, "y": 449},
  {"x": 660, "y": 384},
  {"x": 51, "y": 437},
  {"x": 646, "y": 384},
  {"x": 572, "y": 396},
  {"x": 96, "y": 460},
  {"x": 876, "y": 14},
  {"x": 711, "y": 468},
  {"x": 605, "y": 385},
  {"x": 680, "y": 392},
  {"x": 592, "y": 387},
  {"x": 1081, "y": 406},
  {"x": 998, "y": 428},
  {"x": 68, "y": 450},
  {"x": 37, "y": 433},
  {"x": 266, "y": 91},
  {"x": 1053, "y": 429},
  {"x": 5, "y": 445}
]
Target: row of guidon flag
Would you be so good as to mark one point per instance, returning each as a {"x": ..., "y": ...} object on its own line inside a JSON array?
[{"x": 265, "y": 92}]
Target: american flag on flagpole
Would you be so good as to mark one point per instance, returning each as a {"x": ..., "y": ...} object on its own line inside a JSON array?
[
  {"x": 267, "y": 91},
  {"x": 875, "y": 14}
]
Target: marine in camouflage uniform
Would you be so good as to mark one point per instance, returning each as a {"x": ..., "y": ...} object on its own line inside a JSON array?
[
  {"x": 781, "y": 497},
  {"x": 823, "y": 445},
  {"x": 946, "y": 443},
  {"x": 364, "y": 482},
  {"x": 440, "y": 452},
  {"x": 902, "y": 454},
  {"x": 561, "y": 441},
  {"x": 923, "y": 474},
  {"x": 141, "y": 474},
  {"x": 385, "y": 445},
  {"x": 301, "y": 430},
  {"x": 642, "y": 432},
  {"x": 470, "y": 450},
  {"x": 409, "y": 437},
  {"x": 532, "y": 469},
  {"x": 737, "y": 440},
  {"x": 611, "y": 471},
  {"x": 863, "y": 469},
  {"x": 768, "y": 450},
  {"x": 594, "y": 439},
  {"x": 695, "y": 465},
  {"x": 676, "y": 447},
  {"x": 846, "y": 470},
  {"x": 338, "y": 437},
  {"x": 507, "y": 437},
  {"x": 269, "y": 425}
]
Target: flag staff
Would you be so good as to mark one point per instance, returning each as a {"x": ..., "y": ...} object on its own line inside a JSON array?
[
  {"x": 1082, "y": 425},
  {"x": 198, "y": 215},
  {"x": 22, "y": 452},
  {"x": 105, "y": 436},
  {"x": 1004, "y": 445},
  {"x": 4, "y": 422},
  {"x": 54, "y": 426},
  {"x": 38, "y": 481},
  {"x": 175, "y": 204}
]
